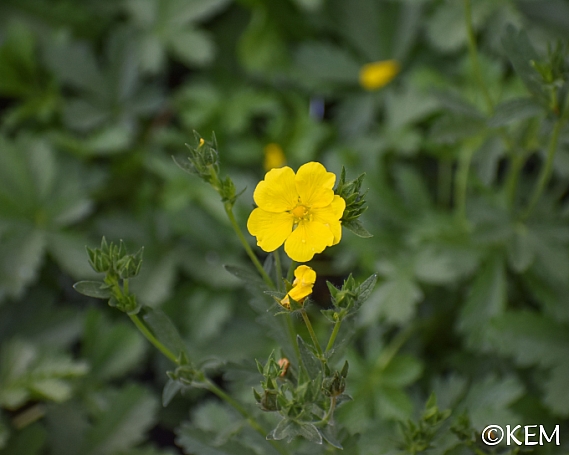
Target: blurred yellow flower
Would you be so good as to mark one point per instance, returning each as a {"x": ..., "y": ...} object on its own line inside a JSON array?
[
  {"x": 302, "y": 285},
  {"x": 375, "y": 75},
  {"x": 299, "y": 210},
  {"x": 274, "y": 156}
]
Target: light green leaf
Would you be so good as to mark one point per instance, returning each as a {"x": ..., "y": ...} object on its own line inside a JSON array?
[
  {"x": 96, "y": 289},
  {"x": 395, "y": 299},
  {"x": 192, "y": 46}
]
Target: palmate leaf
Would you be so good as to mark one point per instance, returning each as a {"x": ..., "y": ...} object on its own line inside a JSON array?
[
  {"x": 27, "y": 372},
  {"x": 112, "y": 349},
  {"x": 127, "y": 415}
]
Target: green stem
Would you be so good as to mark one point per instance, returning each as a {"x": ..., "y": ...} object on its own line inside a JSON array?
[
  {"x": 150, "y": 337},
  {"x": 333, "y": 336},
  {"x": 517, "y": 163},
  {"x": 248, "y": 250},
  {"x": 279, "y": 268},
  {"x": 392, "y": 349},
  {"x": 474, "y": 56},
  {"x": 461, "y": 184},
  {"x": 241, "y": 410},
  {"x": 311, "y": 332},
  {"x": 546, "y": 170}
]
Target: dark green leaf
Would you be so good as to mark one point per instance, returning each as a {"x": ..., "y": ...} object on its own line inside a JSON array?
[
  {"x": 309, "y": 360},
  {"x": 513, "y": 111},
  {"x": 128, "y": 414},
  {"x": 163, "y": 328}
]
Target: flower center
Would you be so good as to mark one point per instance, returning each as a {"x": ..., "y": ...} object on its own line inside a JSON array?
[{"x": 300, "y": 212}]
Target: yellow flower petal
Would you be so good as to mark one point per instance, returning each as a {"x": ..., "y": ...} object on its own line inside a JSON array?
[
  {"x": 271, "y": 229},
  {"x": 302, "y": 286},
  {"x": 309, "y": 238},
  {"x": 314, "y": 185},
  {"x": 375, "y": 75},
  {"x": 330, "y": 216},
  {"x": 277, "y": 193}
]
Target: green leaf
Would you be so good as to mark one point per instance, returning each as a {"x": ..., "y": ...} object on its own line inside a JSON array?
[
  {"x": 328, "y": 63},
  {"x": 444, "y": 264},
  {"x": 27, "y": 372},
  {"x": 163, "y": 328},
  {"x": 192, "y": 46},
  {"x": 395, "y": 299},
  {"x": 96, "y": 289},
  {"x": 247, "y": 275},
  {"x": 487, "y": 299},
  {"x": 288, "y": 429},
  {"x": 357, "y": 228},
  {"x": 555, "y": 388},
  {"x": 171, "y": 388},
  {"x": 112, "y": 348},
  {"x": 521, "y": 53},
  {"x": 552, "y": 15},
  {"x": 309, "y": 360},
  {"x": 489, "y": 399},
  {"x": 530, "y": 338},
  {"x": 402, "y": 371},
  {"x": 29, "y": 441},
  {"x": 514, "y": 110},
  {"x": 128, "y": 414}
]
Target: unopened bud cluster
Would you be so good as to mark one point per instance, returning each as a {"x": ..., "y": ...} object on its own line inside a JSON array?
[
  {"x": 351, "y": 193},
  {"x": 204, "y": 162}
]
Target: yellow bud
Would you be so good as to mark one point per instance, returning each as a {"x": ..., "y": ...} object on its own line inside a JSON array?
[
  {"x": 274, "y": 156},
  {"x": 375, "y": 75}
]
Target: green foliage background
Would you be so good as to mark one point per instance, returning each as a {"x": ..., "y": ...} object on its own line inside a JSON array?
[{"x": 467, "y": 161}]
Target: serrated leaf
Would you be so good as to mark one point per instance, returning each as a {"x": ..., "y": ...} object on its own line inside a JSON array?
[
  {"x": 27, "y": 372},
  {"x": 555, "y": 388},
  {"x": 309, "y": 360},
  {"x": 487, "y": 299},
  {"x": 513, "y": 111},
  {"x": 112, "y": 348},
  {"x": 395, "y": 299},
  {"x": 530, "y": 338},
  {"x": 96, "y": 289},
  {"x": 402, "y": 371},
  {"x": 129, "y": 413}
]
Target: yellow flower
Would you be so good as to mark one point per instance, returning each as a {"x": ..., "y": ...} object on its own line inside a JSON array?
[
  {"x": 375, "y": 75},
  {"x": 299, "y": 210},
  {"x": 302, "y": 285},
  {"x": 274, "y": 156}
]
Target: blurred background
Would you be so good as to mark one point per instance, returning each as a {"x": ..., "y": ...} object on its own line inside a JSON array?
[{"x": 467, "y": 171}]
